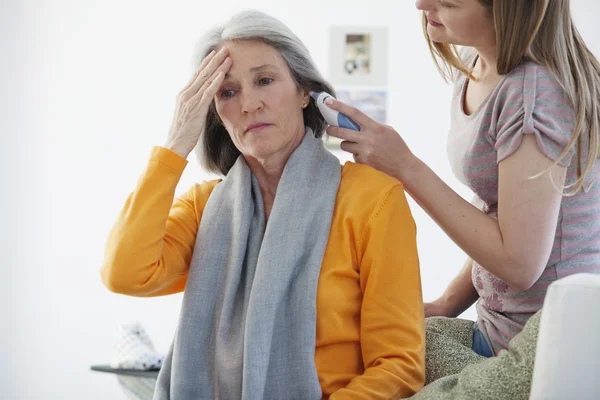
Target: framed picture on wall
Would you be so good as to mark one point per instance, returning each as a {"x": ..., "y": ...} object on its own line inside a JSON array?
[{"x": 358, "y": 56}]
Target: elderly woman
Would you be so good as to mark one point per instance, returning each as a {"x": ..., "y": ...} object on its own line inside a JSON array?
[{"x": 300, "y": 276}]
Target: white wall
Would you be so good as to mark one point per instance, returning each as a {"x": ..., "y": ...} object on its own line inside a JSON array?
[{"x": 87, "y": 88}]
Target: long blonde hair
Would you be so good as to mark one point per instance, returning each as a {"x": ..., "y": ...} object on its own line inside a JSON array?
[{"x": 543, "y": 32}]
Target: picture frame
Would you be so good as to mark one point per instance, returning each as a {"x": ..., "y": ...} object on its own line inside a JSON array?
[{"x": 358, "y": 56}]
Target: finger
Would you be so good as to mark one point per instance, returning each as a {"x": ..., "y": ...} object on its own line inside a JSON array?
[
  {"x": 344, "y": 134},
  {"x": 222, "y": 69},
  {"x": 350, "y": 147},
  {"x": 211, "y": 90},
  {"x": 203, "y": 65},
  {"x": 208, "y": 71},
  {"x": 354, "y": 113},
  {"x": 357, "y": 158}
]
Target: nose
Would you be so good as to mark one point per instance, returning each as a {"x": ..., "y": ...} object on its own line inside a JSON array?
[
  {"x": 426, "y": 5},
  {"x": 251, "y": 102}
]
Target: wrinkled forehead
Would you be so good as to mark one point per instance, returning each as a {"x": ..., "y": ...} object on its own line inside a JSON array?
[
  {"x": 253, "y": 52},
  {"x": 252, "y": 56}
]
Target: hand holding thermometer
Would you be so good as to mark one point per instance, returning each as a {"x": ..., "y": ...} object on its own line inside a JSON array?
[{"x": 333, "y": 117}]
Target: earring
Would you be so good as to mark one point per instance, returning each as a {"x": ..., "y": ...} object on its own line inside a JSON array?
[{"x": 304, "y": 105}]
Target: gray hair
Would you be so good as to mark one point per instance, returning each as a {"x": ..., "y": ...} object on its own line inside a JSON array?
[{"x": 216, "y": 151}]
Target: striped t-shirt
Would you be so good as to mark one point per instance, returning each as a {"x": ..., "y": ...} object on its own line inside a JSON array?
[{"x": 528, "y": 100}]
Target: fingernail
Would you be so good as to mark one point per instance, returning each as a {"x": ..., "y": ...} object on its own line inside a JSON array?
[
  {"x": 227, "y": 60},
  {"x": 329, "y": 100}
]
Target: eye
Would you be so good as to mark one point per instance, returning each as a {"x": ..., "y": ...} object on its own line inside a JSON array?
[
  {"x": 445, "y": 4},
  {"x": 226, "y": 93},
  {"x": 265, "y": 81}
]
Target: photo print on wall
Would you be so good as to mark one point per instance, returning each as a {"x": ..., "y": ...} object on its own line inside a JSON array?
[{"x": 358, "y": 56}]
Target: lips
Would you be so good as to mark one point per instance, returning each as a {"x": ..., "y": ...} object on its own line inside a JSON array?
[
  {"x": 433, "y": 22},
  {"x": 257, "y": 126}
]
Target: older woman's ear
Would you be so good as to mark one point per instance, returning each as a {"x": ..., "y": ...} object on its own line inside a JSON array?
[{"x": 305, "y": 98}]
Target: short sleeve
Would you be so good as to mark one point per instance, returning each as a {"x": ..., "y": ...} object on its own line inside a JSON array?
[{"x": 534, "y": 102}]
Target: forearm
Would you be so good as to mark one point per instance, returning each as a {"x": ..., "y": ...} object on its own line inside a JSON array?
[
  {"x": 382, "y": 382},
  {"x": 476, "y": 233},
  {"x": 460, "y": 293},
  {"x": 140, "y": 257}
]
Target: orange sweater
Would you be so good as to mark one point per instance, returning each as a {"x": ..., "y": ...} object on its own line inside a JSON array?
[{"x": 370, "y": 341}]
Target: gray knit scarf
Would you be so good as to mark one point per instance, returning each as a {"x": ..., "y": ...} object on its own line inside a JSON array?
[{"x": 248, "y": 319}]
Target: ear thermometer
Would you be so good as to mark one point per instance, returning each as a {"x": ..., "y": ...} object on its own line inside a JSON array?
[{"x": 332, "y": 116}]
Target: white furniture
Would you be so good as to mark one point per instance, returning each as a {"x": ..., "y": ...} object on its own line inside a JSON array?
[{"x": 567, "y": 363}]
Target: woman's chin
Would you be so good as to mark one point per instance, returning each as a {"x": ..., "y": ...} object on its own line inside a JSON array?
[
  {"x": 264, "y": 147},
  {"x": 260, "y": 150},
  {"x": 435, "y": 34}
]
